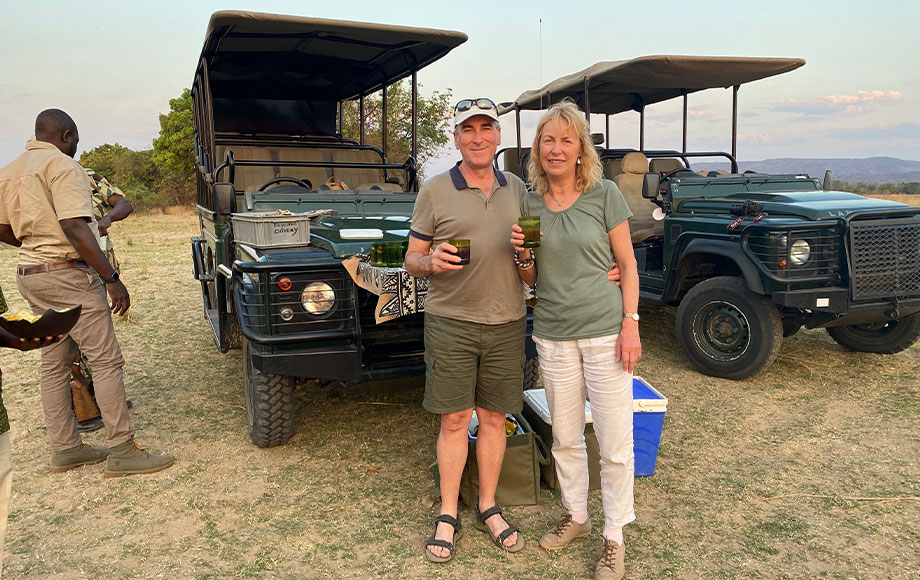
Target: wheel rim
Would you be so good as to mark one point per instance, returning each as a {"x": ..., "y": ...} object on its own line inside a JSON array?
[{"x": 721, "y": 331}]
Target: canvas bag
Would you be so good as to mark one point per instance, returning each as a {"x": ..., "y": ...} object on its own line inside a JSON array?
[{"x": 519, "y": 480}]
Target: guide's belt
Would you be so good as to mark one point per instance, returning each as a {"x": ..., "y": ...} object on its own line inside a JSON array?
[{"x": 52, "y": 266}]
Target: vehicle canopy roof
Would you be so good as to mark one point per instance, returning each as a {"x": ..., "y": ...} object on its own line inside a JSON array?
[
  {"x": 624, "y": 85},
  {"x": 263, "y": 66}
]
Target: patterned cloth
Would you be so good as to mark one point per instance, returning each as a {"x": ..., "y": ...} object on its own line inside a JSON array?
[{"x": 400, "y": 292}]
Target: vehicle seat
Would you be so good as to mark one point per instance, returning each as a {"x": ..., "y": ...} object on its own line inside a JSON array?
[
  {"x": 612, "y": 168},
  {"x": 664, "y": 164},
  {"x": 315, "y": 175},
  {"x": 247, "y": 178},
  {"x": 641, "y": 225},
  {"x": 354, "y": 176}
]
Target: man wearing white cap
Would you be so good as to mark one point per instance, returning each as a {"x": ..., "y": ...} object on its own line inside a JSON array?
[{"x": 474, "y": 318}]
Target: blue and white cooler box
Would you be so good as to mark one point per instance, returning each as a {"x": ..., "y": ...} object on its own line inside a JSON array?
[{"x": 649, "y": 407}]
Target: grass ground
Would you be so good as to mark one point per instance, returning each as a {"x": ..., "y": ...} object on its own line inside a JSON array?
[{"x": 755, "y": 479}]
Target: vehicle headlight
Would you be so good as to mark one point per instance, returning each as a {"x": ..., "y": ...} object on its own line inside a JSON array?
[
  {"x": 800, "y": 252},
  {"x": 317, "y": 298}
]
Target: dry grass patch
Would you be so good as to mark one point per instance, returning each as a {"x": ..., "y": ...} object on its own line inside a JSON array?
[{"x": 724, "y": 503}]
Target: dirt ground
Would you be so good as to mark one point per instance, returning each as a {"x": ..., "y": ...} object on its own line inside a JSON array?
[{"x": 809, "y": 470}]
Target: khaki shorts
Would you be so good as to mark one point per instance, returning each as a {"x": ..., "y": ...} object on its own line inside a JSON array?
[{"x": 473, "y": 365}]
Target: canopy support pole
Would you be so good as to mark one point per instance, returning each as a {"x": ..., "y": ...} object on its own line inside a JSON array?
[
  {"x": 588, "y": 103},
  {"x": 642, "y": 128},
  {"x": 517, "y": 123},
  {"x": 735, "y": 121},
  {"x": 685, "y": 122},
  {"x": 607, "y": 125},
  {"x": 361, "y": 120},
  {"x": 341, "y": 120},
  {"x": 383, "y": 125},
  {"x": 415, "y": 114}
]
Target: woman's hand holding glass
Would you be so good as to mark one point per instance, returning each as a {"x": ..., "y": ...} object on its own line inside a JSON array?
[{"x": 517, "y": 242}]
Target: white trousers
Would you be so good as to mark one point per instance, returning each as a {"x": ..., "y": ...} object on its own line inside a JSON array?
[{"x": 573, "y": 370}]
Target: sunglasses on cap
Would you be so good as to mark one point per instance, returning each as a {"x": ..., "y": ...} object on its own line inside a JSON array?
[{"x": 481, "y": 103}]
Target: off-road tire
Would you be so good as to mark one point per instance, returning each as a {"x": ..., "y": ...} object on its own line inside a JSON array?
[
  {"x": 532, "y": 373},
  {"x": 269, "y": 404},
  {"x": 883, "y": 338},
  {"x": 728, "y": 331}
]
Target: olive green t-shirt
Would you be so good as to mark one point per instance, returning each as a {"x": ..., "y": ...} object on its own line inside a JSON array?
[
  {"x": 574, "y": 298},
  {"x": 488, "y": 290}
]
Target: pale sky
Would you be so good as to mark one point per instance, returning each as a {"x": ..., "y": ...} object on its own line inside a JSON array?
[{"x": 114, "y": 65}]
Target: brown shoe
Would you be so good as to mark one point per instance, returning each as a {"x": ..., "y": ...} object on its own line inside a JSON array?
[
  {"x": 129, "y": 458},
  {"x": 75, "y": 457},
  {"x": 611, "y": 566},
  {"x": 565, "y": 531}
]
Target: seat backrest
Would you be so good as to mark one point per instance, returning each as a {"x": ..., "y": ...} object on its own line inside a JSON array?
[
  {"x": 355, "y": 176},
  {"x": 641, "y": 225},
  {"x": 664, "y": 164},
  {"x": 247, "y": 178},
  {"x": 612, "y": 168},
  {"x": 315, "y": 175}
]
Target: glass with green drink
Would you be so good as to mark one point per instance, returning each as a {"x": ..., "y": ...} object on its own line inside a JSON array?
[
  {"x": 463, "y": 250},
  {"x": 530, "y": 226},
  {"x": 394, "y": 253}
]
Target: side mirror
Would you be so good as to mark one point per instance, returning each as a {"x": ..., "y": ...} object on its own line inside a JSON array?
[
  {"x": 650, "y": 185},
  {"x": 224, "y": 198}
]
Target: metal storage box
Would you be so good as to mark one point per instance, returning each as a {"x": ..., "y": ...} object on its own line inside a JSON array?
[{"x": 270, "y": 230}]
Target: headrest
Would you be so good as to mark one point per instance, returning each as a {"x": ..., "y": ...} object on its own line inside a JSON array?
[
  {"x": 635, "y": 162},
  {"x": 664, "y": 165},
  {"x": 612, "y": 168},
  {"x": 597, "y": 138}
]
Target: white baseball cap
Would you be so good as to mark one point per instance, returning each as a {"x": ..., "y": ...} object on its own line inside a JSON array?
[{"x": 466, "y": 108}]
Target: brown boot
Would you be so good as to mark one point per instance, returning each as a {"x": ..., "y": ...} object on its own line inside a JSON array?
[
  {"x": 129, "y": 458},
  {"x": 612, "y": 565},
  {"x": 75, "y": 457},
  {"x": 565, "y": 531}
]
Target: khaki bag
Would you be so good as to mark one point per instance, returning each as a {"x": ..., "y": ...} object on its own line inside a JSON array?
[
  {"x": 335, "y": 183},
  {"x": 519, "y": 480}
]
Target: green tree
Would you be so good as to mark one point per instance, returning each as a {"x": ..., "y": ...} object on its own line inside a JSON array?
[
  {"x": 433, "y": 122},
  {"x": 132, "y": 171},
  {"x": 174, "y": 149}
]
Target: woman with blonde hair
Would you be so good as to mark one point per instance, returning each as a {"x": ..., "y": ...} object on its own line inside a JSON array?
[{"x": 585, "y": 326}]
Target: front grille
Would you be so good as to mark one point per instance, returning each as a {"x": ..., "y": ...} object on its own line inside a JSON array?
[
  {"x": 264, "y": 304},
  {"x": 885, "y": 260},
  {"x": 401, "y": 337}
]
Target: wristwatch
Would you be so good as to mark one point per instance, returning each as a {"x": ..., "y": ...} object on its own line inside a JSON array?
[
  {"x": 632, "y": 315},
  {"x": 114, "y": 278}
]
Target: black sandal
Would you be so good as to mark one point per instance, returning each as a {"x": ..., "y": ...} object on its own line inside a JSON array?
[
  {"x": 499, "y": 540},
  {"x": 433, "y": 541}
]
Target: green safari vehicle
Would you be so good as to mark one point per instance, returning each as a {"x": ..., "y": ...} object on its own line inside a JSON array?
[
  {"x": 746, "y": 258},
  {"x": 268, "y": 97}
]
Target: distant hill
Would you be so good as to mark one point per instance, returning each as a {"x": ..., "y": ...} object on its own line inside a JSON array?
[{"x": 871, "y": 169}]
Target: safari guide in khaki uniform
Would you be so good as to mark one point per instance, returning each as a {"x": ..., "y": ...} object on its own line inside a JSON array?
[
  {"x": 46, "y": 210},
  {"x": 474, "y": 319}
]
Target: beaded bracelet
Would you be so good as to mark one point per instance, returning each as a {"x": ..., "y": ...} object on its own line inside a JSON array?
[{"x": 524, "y": 264}]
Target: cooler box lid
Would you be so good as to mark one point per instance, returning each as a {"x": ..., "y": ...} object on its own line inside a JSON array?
[{"x": 646, "y": 399}]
